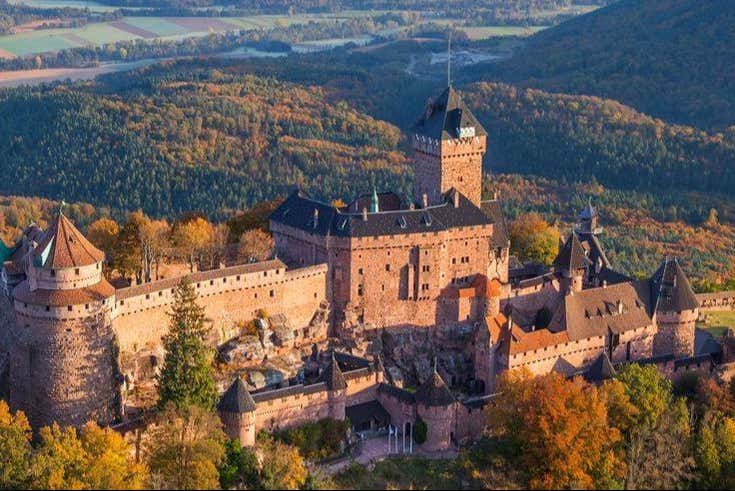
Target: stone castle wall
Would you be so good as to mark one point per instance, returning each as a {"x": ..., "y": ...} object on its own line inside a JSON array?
[
  {"x": 442, "y": 165},
  {"x": 397, "y": 279},
  {"x": 675, "y": 333},
  {"x": 228, "y": 295},
  {"x": 716, "y": 301},
  {"x": 55, "y": 363}
]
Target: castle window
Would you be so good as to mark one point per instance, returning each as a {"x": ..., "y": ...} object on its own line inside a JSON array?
[
  {"x": 211, "y": 282},
  {"x": 387, "y": 267},
  {"x": 68, "y": 307},
  {"x": 273, "y": 293},
  {"x": 359, "y": 290},
  {"x": 359, "y": 271},
  {"x": 86, "y": 306},
  {"x": 48, "y": 308},
  {"x": 147, "y": 296},
  {"x": 237, "y": 278},
  {"x": 76, "y": 271},
  {"x": 224, "y": 280},
  {"x": 265, "y": 273}
]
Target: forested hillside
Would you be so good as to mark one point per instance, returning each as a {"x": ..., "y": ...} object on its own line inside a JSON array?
[
  {"x": 672, "y": 59},
  {"x": 174, "y": 138}
]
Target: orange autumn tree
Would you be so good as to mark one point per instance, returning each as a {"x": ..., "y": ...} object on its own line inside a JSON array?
[{"x": 559, "y": 430}]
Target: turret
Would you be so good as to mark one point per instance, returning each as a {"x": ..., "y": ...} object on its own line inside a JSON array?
[
  {"x": 436, "y": 406},
  {"x": 571, "y": 263},
  {"x": 236, "y": 409},
  {"x": 675, "y": 310},
  {"x": 63, "y": 367},
  {"x": 336, "y": 387},
  {"x": 589, "y": 220}
]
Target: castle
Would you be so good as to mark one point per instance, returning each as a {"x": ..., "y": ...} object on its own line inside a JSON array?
[{"x": 438, "y": 263}]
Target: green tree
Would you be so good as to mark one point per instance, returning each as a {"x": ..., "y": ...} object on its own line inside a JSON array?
[
  {"x": 240, "y": 467},
  {"x": 15, "y": 449},
  {"x": 282, "y": 466},
  {"x": 655, "y": 426},
  {"x": 184, "y": 449},
  {"x": 187, "y": 374}
]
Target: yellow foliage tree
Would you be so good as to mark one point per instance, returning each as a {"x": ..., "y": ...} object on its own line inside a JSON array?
[
  {"x": 184, "y": 449},
  {"x": 533, "y": 239},
  {"x": 15, "y": 449},
  {"x": 560, "y": 429}
]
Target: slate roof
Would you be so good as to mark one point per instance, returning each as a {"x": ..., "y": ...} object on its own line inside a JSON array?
[
  {"x": 600, "y": 370},
  {"x": 670, "y": 288},
  {"x": 314, "y": 217},
  {"x": 494, "y": 211},
  {"x": 434, "y": 392},
  {"x": 64, "y": 246},
  {"x": 598, "y": 311},
  {"x": 363, "y": 413},
  {"x": 236, "y": 399},
  {"x": 572, "y": 255},
  {"x": 333, "y": 377},
  {"x": 444, "y": 116}
]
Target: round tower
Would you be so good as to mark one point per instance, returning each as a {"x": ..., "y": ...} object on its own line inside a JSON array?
[
  {"x": 676, "y": 309},
  {"x": 63, "y": 366},
  {"x": 336, "y": 389},
  {"x": 236, "y": 409},
  {"x": 436, "y": 405}
]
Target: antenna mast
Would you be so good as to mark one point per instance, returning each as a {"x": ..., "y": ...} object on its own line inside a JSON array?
[{"x": 449, "y": 60}]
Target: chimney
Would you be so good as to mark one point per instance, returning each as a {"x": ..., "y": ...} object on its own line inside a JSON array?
[
  {"x": 425, "y": 200},
  {"x": 604, "y": 283},
  {"x": 316, "y": 217},
  {"x": 364, "y": 214},
  {"x": 456, "y": 199},
  {"x": 412, "y": 206},
  {"x": 620, "y": 306}
]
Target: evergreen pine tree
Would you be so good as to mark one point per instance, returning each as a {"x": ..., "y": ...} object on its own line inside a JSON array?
[{"x": 186, "y": 378}]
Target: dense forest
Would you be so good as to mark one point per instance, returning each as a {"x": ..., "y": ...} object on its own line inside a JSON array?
[
  {"x": 668, "y": 58},
  {"x": 173, "y": 138}
]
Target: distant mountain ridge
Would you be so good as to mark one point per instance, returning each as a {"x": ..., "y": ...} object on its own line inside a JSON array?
[{"x": 672, "y": 59}]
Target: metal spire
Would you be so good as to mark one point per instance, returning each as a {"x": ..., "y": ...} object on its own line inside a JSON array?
[{"x": 449, "y": 59}]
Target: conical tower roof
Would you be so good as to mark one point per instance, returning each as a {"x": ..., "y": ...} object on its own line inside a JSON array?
[
  {"x": 571, "y": 255},
  {"x": 333, "y": 377},
  {"x": 236, "y": 399},
  {"x": 434, "y": 392},
  {"x": 64, "y": 246},
  {"x": 671, "y": 289},
  {"x": 445, "y": 116}
]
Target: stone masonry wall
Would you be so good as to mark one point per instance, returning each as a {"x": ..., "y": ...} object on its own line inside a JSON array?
[
  {"x": 56, "y": 363},
  {"x": 229, "y": 298}
]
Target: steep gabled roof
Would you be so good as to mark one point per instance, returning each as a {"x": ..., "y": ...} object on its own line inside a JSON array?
[
  {"x": 64, "y": 246},
  {"x": 236, "y": 399},
  {"x": 333, "y": 377},
  {"x": 571, "y": 255},
  {"x": 601, "y": 369},
  {"x": 434, "y": 392},
  {"x": 444, "y": 116},
  {"x": 317, "y": 218},
  {"x": 670, "y": 288}
]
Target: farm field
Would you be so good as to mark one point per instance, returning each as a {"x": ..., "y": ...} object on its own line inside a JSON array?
[
  {"x": 484, "y": 32},
  {"x": 129, "y": 28}
]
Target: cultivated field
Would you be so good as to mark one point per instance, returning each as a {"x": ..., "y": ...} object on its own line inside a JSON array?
[{"x": 129, "y": 28}]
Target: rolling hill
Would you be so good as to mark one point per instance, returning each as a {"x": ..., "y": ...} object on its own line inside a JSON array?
[{"x": 672, "y": 59}]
